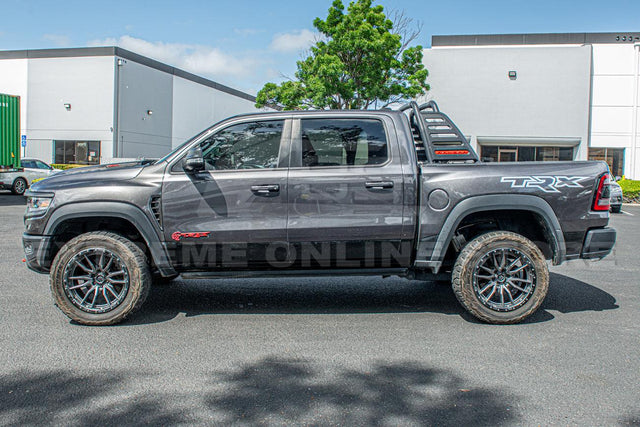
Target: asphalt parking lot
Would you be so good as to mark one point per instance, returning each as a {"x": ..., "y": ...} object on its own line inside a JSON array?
[{"x": 331, "y": 351}]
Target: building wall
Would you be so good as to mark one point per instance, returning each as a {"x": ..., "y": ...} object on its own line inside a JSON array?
[
  {"x": 196, "y": 107},
  {"x": 87, "y": 84},
  {"x": 141, "y": 89},
  {"x": 132, "y": 105},
  {"x": 547, "y": 104},
  {"x": 13, "y": 81},
  {"x": 614, "y": 102}
]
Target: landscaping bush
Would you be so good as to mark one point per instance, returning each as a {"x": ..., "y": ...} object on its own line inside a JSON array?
[
  {"x": 630, "y": 190},
  {"x": 65, "y": 167}
]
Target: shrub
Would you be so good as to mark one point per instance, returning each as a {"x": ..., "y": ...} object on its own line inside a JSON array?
[
  {"x": 630, "y": 188},
  {"x": 65, "y": 167}
]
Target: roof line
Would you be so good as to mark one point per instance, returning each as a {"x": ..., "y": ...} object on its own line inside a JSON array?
[
  {"x": 629, "y": 37},
  {"x": 125, "y": 54}
]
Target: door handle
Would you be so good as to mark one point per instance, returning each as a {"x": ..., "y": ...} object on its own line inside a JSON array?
[
  {"x": 265, "y": 190},
  {"x": 378, "y": 185}
]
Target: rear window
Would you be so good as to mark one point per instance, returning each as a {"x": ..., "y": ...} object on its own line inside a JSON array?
[{"x": 343, "y": 142}]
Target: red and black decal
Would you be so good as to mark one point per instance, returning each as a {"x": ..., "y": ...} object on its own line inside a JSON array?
[{"x": 177, "y": 236}]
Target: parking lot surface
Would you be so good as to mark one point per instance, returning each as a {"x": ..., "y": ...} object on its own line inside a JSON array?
[{"x": 326, "y": 351}]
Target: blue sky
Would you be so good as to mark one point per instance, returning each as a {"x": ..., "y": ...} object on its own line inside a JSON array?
[{"x": 247, "y": 43}]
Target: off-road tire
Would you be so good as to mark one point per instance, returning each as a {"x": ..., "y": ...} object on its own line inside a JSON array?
[
  {"x": 19, "y": 186},
  {"x": 129, "y": 253},
  {"x": 471, "y": 255}
]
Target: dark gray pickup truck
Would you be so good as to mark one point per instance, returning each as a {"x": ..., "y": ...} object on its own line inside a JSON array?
[{"x": 317, "y": 193}]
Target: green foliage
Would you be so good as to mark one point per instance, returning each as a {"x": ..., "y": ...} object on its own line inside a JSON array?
[
  {"x": 630, "y": 188},
  {"x": 65, "y": 167},
  {"x": 358, "y": 61}
]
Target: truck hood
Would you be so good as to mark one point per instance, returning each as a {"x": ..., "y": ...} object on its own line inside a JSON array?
[{"x": 99, "y": 175}]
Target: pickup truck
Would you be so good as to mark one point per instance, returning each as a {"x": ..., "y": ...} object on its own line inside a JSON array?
[
  {"x": 314, "y": 193},
  {"x": 19, "y": 179}
]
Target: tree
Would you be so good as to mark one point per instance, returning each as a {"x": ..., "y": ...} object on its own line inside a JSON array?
[{"x": 360, "y": 59}]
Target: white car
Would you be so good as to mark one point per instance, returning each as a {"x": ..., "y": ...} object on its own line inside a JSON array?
[
  {"x": 18, "y": 180},
  {"x": 615, "y": 197}
]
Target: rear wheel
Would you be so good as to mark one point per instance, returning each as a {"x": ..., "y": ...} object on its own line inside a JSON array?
[
  {"x": 100, "y": 278},
  {"x": 616, "y": 209},
  {"x": 501, "y": 277},
  {"x": 19, "y": 186}
]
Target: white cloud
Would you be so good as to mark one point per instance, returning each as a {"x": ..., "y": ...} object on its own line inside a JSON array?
[
  {"x": 199, "y": 59},
  {"x": 293, "y": 41},
  {"x": 59, "y": 40}
]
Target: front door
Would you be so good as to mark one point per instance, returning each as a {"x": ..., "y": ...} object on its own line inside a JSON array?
[
  {"x": 345, "y": 195},
  {"x": 232, "y": 214}
]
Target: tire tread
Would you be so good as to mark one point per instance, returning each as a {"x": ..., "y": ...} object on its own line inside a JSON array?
[
  {"x": 139, "y": 293},
  {"x": 466, "y": 295}
]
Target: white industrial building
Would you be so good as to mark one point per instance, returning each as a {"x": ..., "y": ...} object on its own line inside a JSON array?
[
  {"x": 92, "y": 105},
  {"x": 518, "y": 97},
  {"x": 542, "y": 96}
]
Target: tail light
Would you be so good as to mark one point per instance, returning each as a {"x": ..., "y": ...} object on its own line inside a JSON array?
[{"x": 601, "y": 201}]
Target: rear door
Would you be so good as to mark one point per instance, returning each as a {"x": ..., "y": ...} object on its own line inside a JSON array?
[
  {"x": 345, "y": 194},
  {"x": 233, "y": 214}
]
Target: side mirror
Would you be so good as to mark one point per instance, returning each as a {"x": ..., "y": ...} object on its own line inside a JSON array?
[{"x": 193, "y": 161}]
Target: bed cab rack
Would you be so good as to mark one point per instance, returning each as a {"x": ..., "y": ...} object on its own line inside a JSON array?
[{"x": 436, "y": 137}]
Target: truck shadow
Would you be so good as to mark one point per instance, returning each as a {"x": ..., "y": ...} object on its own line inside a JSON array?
[
  {"x": 343, "y": 295},
  {"x": 9, "y": 199},
  {"x": 271, "y": 390}
]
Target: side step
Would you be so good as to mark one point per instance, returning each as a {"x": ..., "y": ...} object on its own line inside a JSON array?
[{"x": 231, "y": 274}]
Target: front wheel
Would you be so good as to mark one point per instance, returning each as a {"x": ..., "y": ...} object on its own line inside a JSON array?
[
  {"x": 99, "y": 278},
  {"x": 501, "y": 277}
]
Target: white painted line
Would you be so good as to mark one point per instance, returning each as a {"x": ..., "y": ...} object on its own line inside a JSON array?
[{"x": 627, "y": 213}]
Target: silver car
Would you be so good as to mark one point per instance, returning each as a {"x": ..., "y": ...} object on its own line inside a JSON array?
[
  {"x": 18, "y": 180},
  {"x": 615, "y": 192}
]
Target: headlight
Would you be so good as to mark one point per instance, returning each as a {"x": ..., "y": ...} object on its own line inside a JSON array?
[{"x": 37, "y": 206}]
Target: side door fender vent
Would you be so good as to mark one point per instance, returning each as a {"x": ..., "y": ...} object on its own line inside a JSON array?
[{"x": 155, "y": 204}]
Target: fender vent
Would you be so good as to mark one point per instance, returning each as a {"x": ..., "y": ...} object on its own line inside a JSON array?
[{"x": 156, "y": 207}]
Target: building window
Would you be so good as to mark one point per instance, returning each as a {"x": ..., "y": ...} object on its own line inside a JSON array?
[
  {"x": 505, "y": 153},
  {"x": 77, "y": 152},
  {"x": 613, "y": 156}
]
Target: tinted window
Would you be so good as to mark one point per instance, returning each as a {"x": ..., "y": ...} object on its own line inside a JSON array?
[
  {"x": 253, "y": 145},
  {"x": 30, "y": 164},
  {"x": 41, "y": 165},
  {"x": 343, "y": 142},
  {"x": 77, "y": 152},
  {"x": 613, "y": 156}
]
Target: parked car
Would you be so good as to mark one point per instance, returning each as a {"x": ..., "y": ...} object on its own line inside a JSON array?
[
  {"x": 19, "y": 179},
  {"x": 316, "y": 193},
  {"x": 615, "y": 197}
]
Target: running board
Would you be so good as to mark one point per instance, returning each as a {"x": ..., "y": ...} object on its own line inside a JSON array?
[{"x": 238, "y": 274}]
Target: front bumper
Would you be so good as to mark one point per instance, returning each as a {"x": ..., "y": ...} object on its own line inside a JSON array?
[
  {"x": 598, "y": 243},
  {"x": 36, "y": 252}
]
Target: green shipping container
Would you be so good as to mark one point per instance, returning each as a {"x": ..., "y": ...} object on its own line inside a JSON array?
[{"x": 9, "y": 130}]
